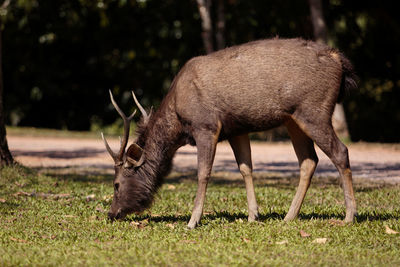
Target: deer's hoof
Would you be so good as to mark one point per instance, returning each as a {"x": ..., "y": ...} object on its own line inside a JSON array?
[
  {"x": 252, "y": 218},
  {"x": 191, "y": 225},
  {"x": 289, "y": 217}
]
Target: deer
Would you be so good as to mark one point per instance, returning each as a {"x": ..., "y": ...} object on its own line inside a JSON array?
[{"x": 226, "y": 95}]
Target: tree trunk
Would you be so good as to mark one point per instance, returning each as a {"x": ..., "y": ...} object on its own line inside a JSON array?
[
  {"x": 220, "y": 34},
  {"x": 321, "y": 35},
  {"x": 204, "y": 10},
  {"x": 5, "y": 155},
  {"x": 317, "y": 18}
]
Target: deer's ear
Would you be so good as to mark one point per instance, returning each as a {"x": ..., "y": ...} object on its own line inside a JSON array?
[
  {"x": 134, "y": 156},
  {"x": 134, "y": 152}
]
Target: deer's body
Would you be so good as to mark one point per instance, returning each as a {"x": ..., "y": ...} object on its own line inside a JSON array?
[
  {"x": 249, "y": 88},
  {"x": 229, "y": 93}
]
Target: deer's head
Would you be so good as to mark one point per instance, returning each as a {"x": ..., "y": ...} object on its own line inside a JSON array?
[{"x": 131, "y": 192}]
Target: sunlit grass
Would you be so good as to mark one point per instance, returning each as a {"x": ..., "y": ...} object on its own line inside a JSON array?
[
  {"x": 54, "y": 219},
  {"x": 43, "y": 132},
  {"x": 114, "y": 129}
]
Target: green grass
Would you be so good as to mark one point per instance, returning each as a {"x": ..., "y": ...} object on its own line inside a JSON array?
[
  {"x": 114, "y": 129},
  {"x": 60, "y": 219},
  {"x": 43, "y": 132}
]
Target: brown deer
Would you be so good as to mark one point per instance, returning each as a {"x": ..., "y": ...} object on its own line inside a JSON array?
[{"x": 225, "y": 95}]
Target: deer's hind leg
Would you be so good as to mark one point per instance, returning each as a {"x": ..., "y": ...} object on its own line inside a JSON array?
[
  {"x": 241, "y": 148},
  {"x": 304, "y": 148},
  {"x": 321, "y": 131}
]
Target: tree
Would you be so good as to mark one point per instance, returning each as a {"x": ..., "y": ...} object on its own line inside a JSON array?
[
  {"x": 5, "y": 155},
  {"x": 206, "y": 24},
  {"x": 63, "y": 55},
  {"x": 220, "y": 31},
  {"x": 321, "y": 35},
  {"x": 204, "y": 7}
]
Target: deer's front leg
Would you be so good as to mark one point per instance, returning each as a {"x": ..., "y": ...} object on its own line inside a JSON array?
[
  {"x": 206, "y": 142},
  {"x": 241, "y": 148}
]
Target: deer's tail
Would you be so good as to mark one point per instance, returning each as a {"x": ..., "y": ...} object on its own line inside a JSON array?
[{"x": 349, "y": 78}]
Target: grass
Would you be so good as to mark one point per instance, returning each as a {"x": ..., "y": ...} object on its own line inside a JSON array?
[
  {"x": 43, "y": 132},
  {"x": 53, "y": 219},
  {"x": 114, "y": 129}
]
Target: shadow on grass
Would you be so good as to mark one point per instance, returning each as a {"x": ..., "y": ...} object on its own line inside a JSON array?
[
  {"x": 8, "y": 207},
  {"x": 268, "y": 180},
  {"x": 230, "y": 179},
  {"x": 232, "y": 217},
  {"x": 85, "y": 178},
  {"x": 370, "y": 217},
  {"x": 60, "y": 154},
  {"x": 362, "y": 217},
  {"x": 162, "y": 218}
]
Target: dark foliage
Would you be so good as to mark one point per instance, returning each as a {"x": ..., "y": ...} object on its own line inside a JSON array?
[{"x": 61, "y": 57}]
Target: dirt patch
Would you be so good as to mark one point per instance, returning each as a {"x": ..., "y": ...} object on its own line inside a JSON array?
[{"x": 370, "y": 162}]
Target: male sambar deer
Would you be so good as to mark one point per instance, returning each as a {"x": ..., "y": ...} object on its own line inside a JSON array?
[{"x": 225, "y": 95}]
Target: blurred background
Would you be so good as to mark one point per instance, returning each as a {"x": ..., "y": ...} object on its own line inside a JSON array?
[{"x": 60, "y": 57}]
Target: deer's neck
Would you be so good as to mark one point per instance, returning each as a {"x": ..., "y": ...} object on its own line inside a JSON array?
[{"x": 162, "y": 141}]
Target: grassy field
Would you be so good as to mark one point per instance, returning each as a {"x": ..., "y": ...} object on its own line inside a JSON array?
[
  {"x": 43, "y": 132},
  {"x": 52, "y": 219},
  {"x": 114, "y": 130}
]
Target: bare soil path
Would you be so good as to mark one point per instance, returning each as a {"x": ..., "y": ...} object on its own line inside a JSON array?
[{"x": 370, "y": 162}]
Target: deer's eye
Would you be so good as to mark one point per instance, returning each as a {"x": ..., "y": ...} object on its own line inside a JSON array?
[{"x": 116, "y": 186}]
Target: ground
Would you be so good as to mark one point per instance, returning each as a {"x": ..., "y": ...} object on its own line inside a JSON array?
[{"x": 370, "y": 162}]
